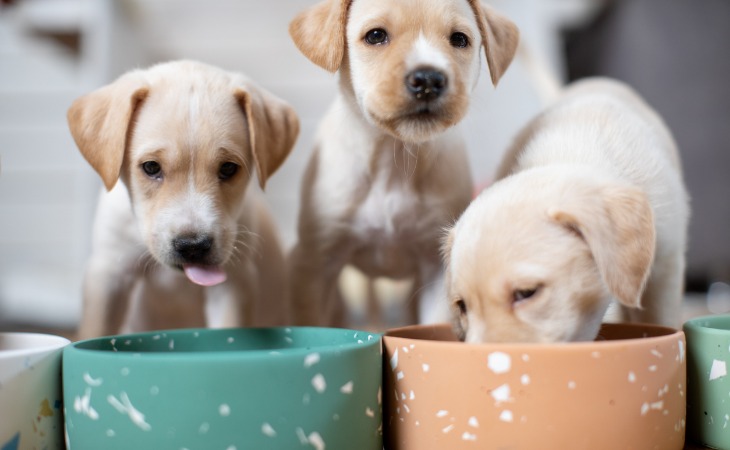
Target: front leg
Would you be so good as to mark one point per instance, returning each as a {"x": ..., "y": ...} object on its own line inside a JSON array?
[
  {"x": 108, "y": 286},
  {"x": 313, "y": 285}
]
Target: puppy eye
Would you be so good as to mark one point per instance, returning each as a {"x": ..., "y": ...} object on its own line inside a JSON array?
[
  {"x": 462, "y": 306},
  {"x": 227, "y": 170},
  {"x": 376, "y": 36},
  {"x": 459, "y": 40},
  {"x": 152, "y": 168},
  {"x": 519, "y": 295}
]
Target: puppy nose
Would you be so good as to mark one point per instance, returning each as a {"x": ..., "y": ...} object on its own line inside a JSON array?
[
  {"x": 193, "y": 248},
  {"x": 426, "y": 84}
]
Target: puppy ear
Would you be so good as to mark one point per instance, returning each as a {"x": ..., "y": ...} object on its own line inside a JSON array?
[
  {"x": 273, "y": 127},
  {"x": 500, "y": 37},
  {"x": 319, "y": 33},
  {"x": 100, "y": 123},
  {"x": 618, "y": 226}
]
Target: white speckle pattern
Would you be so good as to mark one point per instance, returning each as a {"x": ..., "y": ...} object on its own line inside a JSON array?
[
  {"x": 656, "y": 353},
  {"x": 405, "y": 349},
  {"x": 412, "y": 396},
  {"x": 311, "y": 359},
  {"x": 468, "y": 436},
  {"x": 525, "y": 379},
  {"x": 501, "y": 394},
  {"x": 442, "y": 413},
  {"x": 399, "y": 375},
  {"x": 596, "y": 355},
  {"x": 718, "y": 370},
  {"x": 95, "y": 382},
  {"x": 154, "y": 390},
  {"x": 110, "y": 433},
  {"x": 268, "y": 430},
  {"x": 302, "y": 437},
  {"x": 369, "y": 412},
  {"x": 204, "y": 428},
  {"x": 473, "y": 422},
  {"x": 224, "y": 410},
  {"x": 124, "y": 371},
  {"x": 231, "y": 447},
  {"x": 347, "y": 388},
  {"x": 680, "y": 344},
  {"x": 506, "y": 416},
  {"x": 316, "y": 440},
  {"x": 172, "y": 344},
  {"x": 632, "y": 377},
  {"x": 319, "y": 383},
  {"x": 230, "y": 340},
  {"x": 499, "y": 362},
  {"x": 124, "y": 406},
  {"x": 82, "y": 405},
  {"x": 447, "y": 428},
  {"x": 652, "y": 368},
  {"x": 426, "y": 368},
  {"x": 571, "y": 384},
  {"x": 394, "y": 360},
  {"x": 525, "y": 357}
]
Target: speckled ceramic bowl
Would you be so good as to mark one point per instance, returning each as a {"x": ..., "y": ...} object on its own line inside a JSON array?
[
  {"x": 230, "y": 389},
  {"x": 626, "y": 391},
  {"x": 30, "y": 391}
]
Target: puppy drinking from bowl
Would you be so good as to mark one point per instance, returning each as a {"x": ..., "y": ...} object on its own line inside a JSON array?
[
  {"x": 180, "y": 242},
  {"x": 590, "y": 206},
  {"x": 389, "y": 170}
]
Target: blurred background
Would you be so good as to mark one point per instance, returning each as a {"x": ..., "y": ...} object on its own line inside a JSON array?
[{"x": 52, "y": 51}]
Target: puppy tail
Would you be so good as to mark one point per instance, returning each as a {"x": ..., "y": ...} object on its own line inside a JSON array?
[{"x": 546, "y": 82}]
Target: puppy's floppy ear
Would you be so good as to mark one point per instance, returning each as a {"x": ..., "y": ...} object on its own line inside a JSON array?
[
  {"x": 100, "y": 123},
  {"x": 319, "y": 33},
  {"x": 618, "y": 226},
  {"x": 273, "y": 127},
  {"x": 500, "y": 37}
]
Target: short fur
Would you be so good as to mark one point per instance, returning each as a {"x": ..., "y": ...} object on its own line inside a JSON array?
[
  {"x": 388, "y": 171},
  {"x": 191, "y": 119},
  {"x": 590, "y": 206}
]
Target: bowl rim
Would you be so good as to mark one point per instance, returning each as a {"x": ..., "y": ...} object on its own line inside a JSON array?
[
  {"x": 77, "y": 348},
  {"x": 667, "y": 333},
  {"x": 36, "y": 343},
  {"x": 708, "y": 324}
]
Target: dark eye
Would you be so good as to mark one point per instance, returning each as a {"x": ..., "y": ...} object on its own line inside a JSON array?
[
  {"x": 462, "y": 306},
  {"x": 519, "y": 295},
  {"x": 227, "y": 170},
  {"x": 376, "y": 36},
  {"x": 152, "y": 168},
  {"x": 459, "y": 40}
]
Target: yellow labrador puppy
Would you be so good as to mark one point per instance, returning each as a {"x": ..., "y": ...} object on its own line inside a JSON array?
[
  {"x": 389, "y": 170},
  {"x": 179, "y": 242},
  {"x": 590, "y": 206}
]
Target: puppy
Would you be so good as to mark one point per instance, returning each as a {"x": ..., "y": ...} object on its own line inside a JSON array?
[
  {"x": 590, "y": 206},
  {"x": 389, "y": 169},
  {"x": 180, "y": 235}
]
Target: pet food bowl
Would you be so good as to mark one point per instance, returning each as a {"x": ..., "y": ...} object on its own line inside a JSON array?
[
  {"x": 30, "y": 391},
  {"x": 624, "y": 391},
  {"x": 708, "y": 400},
  {"x": 227, "y": 389}
]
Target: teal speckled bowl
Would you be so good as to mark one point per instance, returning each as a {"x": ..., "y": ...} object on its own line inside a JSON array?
[{"x": 229, "y": 389}]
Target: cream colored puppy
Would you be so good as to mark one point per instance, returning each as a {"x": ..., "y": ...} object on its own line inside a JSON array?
[
  {"x": 389, "y": 170},
  {"x": 590, "y": 206},
  {"x": 180, "y": 233}
]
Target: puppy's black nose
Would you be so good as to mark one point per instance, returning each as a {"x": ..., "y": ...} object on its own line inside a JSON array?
[
  {"x": 193, "y": 248},
  {"x": 426, "y": 84}
]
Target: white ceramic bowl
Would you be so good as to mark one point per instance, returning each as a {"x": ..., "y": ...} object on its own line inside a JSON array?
[{"x": 31, "y": 409}]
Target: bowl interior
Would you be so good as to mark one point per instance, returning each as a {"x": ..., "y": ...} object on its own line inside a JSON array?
[{"x": 229, "y": 342}]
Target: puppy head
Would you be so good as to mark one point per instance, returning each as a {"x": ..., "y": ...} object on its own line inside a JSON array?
[
  {"x": 184, "y": 137},
  {"x": 537, "y": 259},
  {"x": 411, "y": 64}
]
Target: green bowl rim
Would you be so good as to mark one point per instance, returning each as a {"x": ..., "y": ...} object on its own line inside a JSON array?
[
  {"x": 708, "y": 324},
  {"x": 243, "y": 354}
]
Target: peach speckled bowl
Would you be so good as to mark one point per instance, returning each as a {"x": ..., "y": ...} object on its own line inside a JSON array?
[{"x": 624, "y": 391}]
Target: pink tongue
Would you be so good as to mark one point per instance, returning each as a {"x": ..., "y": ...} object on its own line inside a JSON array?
[{"x": 205, "y": 275}]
